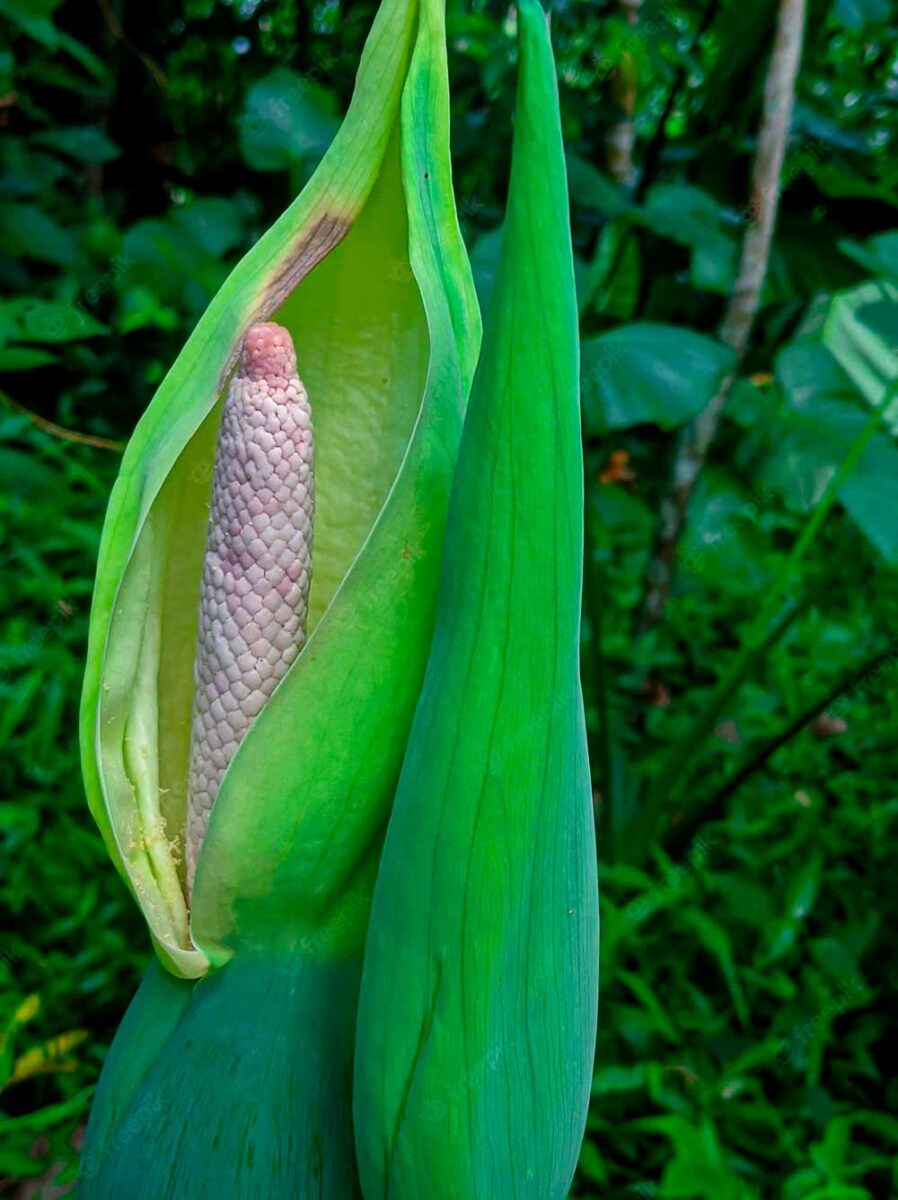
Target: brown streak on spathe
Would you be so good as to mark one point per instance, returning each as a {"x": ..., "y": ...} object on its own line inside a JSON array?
[{"x": 313, "y": 245}]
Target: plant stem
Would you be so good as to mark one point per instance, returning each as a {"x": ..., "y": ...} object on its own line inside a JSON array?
[
  {"x": 735, "y": 331},
  {"x": 621, "y": 136},
  {"x": 680, "y": 763},
  {"x": 57, "y": 431},
  {"x": 714, "y": 809}
]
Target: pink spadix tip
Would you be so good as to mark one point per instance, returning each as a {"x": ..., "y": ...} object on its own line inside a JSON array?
[
  {"x": 267, "y": 352},
  {"x": 254, "y": 594}
]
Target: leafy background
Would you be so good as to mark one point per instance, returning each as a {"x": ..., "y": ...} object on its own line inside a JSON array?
[{"x": 749, "y": 965}]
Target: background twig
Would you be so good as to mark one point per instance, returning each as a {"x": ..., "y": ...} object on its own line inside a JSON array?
[
  {"x": 735, "y": 331},
  {"x": 715, "y": 808},
  {"x": 621, "y": 136}
]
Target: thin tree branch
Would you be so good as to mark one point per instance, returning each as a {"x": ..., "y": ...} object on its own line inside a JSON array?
[
  {"x": 57, "y": 431},
  {"x": 736, "y": 329},
  {"x": 621, "y": 137},
  {"x": 118, "y": 34},
  {"x": 715, "y": 808}
]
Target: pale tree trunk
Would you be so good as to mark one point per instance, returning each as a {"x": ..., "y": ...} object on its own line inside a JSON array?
[
  {"x": 736, "y": 328},
  {"x": 621, "y": 137}
]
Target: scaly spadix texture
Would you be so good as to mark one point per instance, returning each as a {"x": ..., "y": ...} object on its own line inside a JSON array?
[
  {"x": 477, "y": 1015},
  {"x": 231, "y": 1074},
  {"x": 258, "y": 565}
]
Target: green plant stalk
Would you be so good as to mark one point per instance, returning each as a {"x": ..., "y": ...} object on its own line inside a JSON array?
[
  {"x": 477, "y": 1014},
  {"x": 681, "y": 763}
]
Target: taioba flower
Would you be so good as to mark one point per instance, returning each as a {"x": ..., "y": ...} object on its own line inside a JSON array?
[
  {"x": 265, "y": 606},
  {"x": 251, "y": 679}
]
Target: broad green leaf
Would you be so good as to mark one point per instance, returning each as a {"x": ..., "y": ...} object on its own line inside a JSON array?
[
  {"x": 48, "y": 321},
  {"x": 699, "y": 1169},
  {"x": 822, "y": 419},
  {"x": 286, "y": 118},
  {"x": 591, "y": 189},
  {"x": 715, "y": 261},
  {"x": 23, "y": 358},
  {"x": 615, "y": 273},
  {"x": 482, "y": 945},
  {"x": 484, "y": 261},
  {"x": 171, "y": 259},
  {"x": 857, "y": 15},
  {"x": 649, "y": 374},
  {"x": 87, "y": 143},
  {"x": 722, "y": 544},
  {"x": 686, "y": 214},
  {"x": 28, "y": 232},
  {"x": 861, "y": 329},
  {"x": 879, "y": 255},
  {"x": 213, "y": 224}
]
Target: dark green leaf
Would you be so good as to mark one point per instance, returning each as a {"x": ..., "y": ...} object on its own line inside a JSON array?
[{"x": 649, "y": 374}]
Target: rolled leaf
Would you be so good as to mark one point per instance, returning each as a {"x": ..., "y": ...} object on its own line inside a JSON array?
[
  {"x": 368, "y": 274},
  {"x": 477, "y": 1014}
]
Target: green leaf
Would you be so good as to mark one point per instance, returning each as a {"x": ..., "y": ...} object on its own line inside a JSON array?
[
  {"x": 686, "y": 214},
  {"x": 699, "y": 1169},
  {"x": 22, "y": 358},
  {"x": 721, "y": 543},
  {"x": 857, "y": 15},
  {"x": 286, "y": 118},
  {"x": 716, "y": 941},
  {"x": 591, "y": 189},
  {"x": 649, "y": 374},
  {"x": 486, "y": 960},
  {"x": 715, "y": 261},
  {"x": 213, "y": 224},
  {"x": 87, "y": 143},
  {"x": 484, "y": 262},
  {"x": 651, "y": 1002},
  {"x": 615, "y": 273},
  {"x": 861, "y": 329},
  {"x": 33, "y": 17},
  {"x": 53, "y": 321},
  {"x": 821, "y": 420},
  {"x": 28, "y": 232},
  {"x": 879, "y": 255}
]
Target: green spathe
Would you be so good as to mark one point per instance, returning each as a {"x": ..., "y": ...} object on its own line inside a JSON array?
[
  {"x": 477, "y": 1015},
  {"x": 240, "y": 1087},
  {"x": 368, "y": 272}
]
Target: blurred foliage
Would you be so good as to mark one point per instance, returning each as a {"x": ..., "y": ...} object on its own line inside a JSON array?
[{"x": 748, "y": 959}]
